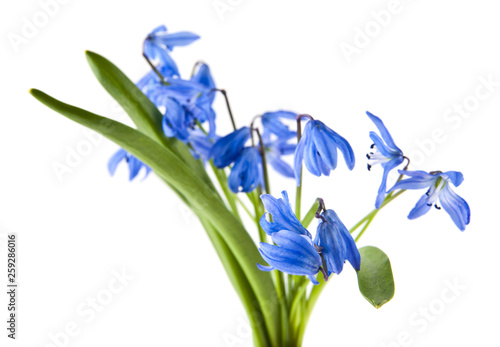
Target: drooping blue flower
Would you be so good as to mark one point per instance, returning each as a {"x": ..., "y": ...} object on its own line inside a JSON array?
[
  {"x": 438, "y": 187},
  {"x": 246, "y": 174},
  {"x": 201, "y": 144},
  {"x": 283, "y": 216},
  {"x": 277, "y": 148},
  {"x": 228, "y": 148},
  {"x": 294, "y": 254},
  {"x": 336, "y": 243},
  {"x": 175, "y": 122},
  {"x": 276, "y": 136},
  {"x": 134, "y": 164},
  {"x": 385, "y": 153},
  {"x": 272, "y": 124},
  {"x": 318, "y": 149},
  {"x": 158, "y": 43}
]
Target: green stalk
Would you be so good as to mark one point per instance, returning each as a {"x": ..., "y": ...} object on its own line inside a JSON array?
[
  {"x": 221, "y": 176},
  {"x": 317, "y": 289},
  {"x": 308, "y": 218},
  {"x": 298, "y": 196},
  {"x": 241, "y": 284}
]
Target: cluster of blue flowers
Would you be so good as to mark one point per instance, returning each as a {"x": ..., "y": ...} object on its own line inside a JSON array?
[
  {"x": 437, "y": 183},
  {"x": 295, "y": 251},
  {"x": 186, "y": 106}
]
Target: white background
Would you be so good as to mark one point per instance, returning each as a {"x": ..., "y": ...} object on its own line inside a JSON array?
[{"x": 75, "y": 231}]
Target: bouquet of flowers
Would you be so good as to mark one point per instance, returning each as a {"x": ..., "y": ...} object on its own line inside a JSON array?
[{"x": 223, "y": 177}]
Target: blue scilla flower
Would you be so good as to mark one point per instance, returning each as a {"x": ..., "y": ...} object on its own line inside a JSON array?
[
  {"x": 294, "y": 254},
  {"x": 318, "y": 149},
  {"x": 201, "y": 144},
  {"x": 283, "y": 216},
  {"x": 275, "y": 150},
  {"x": 438, "y": 186},
  {"x": 134, "y": 164},
  {"x": 158, "y": 43},
  {"x": 228, "y": 148},
  {"x": 385, "y": 152},
  {"x": 336, "y": 243},
  {"x": 276, "y": 136},
  {"x": 272, "y": 124},
  {"x": 246, "y": 174}
]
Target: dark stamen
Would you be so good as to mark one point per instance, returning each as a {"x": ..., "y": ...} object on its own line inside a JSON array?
[
  {"x": 437, "y": 207},
  {"x": 372, "y": 146},
  {"x": 369, "y": 167},
  {"x": 429, "y": 204},
  {"x": 368, "y": 156}
]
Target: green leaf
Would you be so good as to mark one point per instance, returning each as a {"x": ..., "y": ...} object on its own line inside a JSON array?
[
  {"x": 141, "y": 110},
  {"x": 375, "y": 279},
  {"x": 203, "y": 200}
]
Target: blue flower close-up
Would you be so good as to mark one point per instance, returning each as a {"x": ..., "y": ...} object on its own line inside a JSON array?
[
  {"x": 336, "y": 243},
  {"x": 294, "y": 254},
  {"x": 158, "y": 44},
  {"x": 318, "y": 149},
  {"x": 228, "y": 148},
  {"x": 438, "y": 187},
  {"x": 385, "y": 152},
  {"x": 282, "y": 214},
  {"x": 246, "y": 174}
]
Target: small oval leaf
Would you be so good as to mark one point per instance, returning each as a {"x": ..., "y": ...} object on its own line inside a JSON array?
[{"x": 375, "y": 279}]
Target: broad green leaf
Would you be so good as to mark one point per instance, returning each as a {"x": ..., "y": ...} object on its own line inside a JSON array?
[
  {"x": 375, "y": 279},
  {"x": 140, "y": 109},
  {"x": 203, "y": 200}
]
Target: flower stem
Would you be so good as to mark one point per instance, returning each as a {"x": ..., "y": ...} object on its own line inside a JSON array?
[
  {"x": 308, "y": 218},
  {"x": 262, "y": 150},
  {"x": 224, "y": 93},
  {"x": 162, "y": 79}
]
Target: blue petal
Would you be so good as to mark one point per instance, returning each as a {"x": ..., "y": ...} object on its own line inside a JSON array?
[
  {"x": 456, "y": 206},
  {"x": 281, "y": 166},
  {"x": 295, "y": 255},
  {"x": 311, "y": 157},
  {"x": 283, "y": 216},
  {"x": 174, "y": 120},
  {"x": 299, "y": 157},
  {"x": 352, "y": 252},
  {"x": 134, "y": 166},
  {"x": 227, "y": 149},
  {"x": 182, "y": 38},
  {"x": 115, "y": 160},
  {"x": 420, "y": 208},
  {"x": 325, "y": 145},
  {"x": 383, "y": 131},
  {"x": 313, "y": 280},
  {"x": 272, "y": 124},
  {"x": 246, "y": 174},
  {"x": 344, "y": 147},
  {"x": 390, "y": 165},
  {"x": 265, "y": 268},
  {"x": 455, "y": 177},
  {"x": 418, "y": 180},
  {"x": 334, "y": 250},
  {"x": 386, "y": 151}
]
